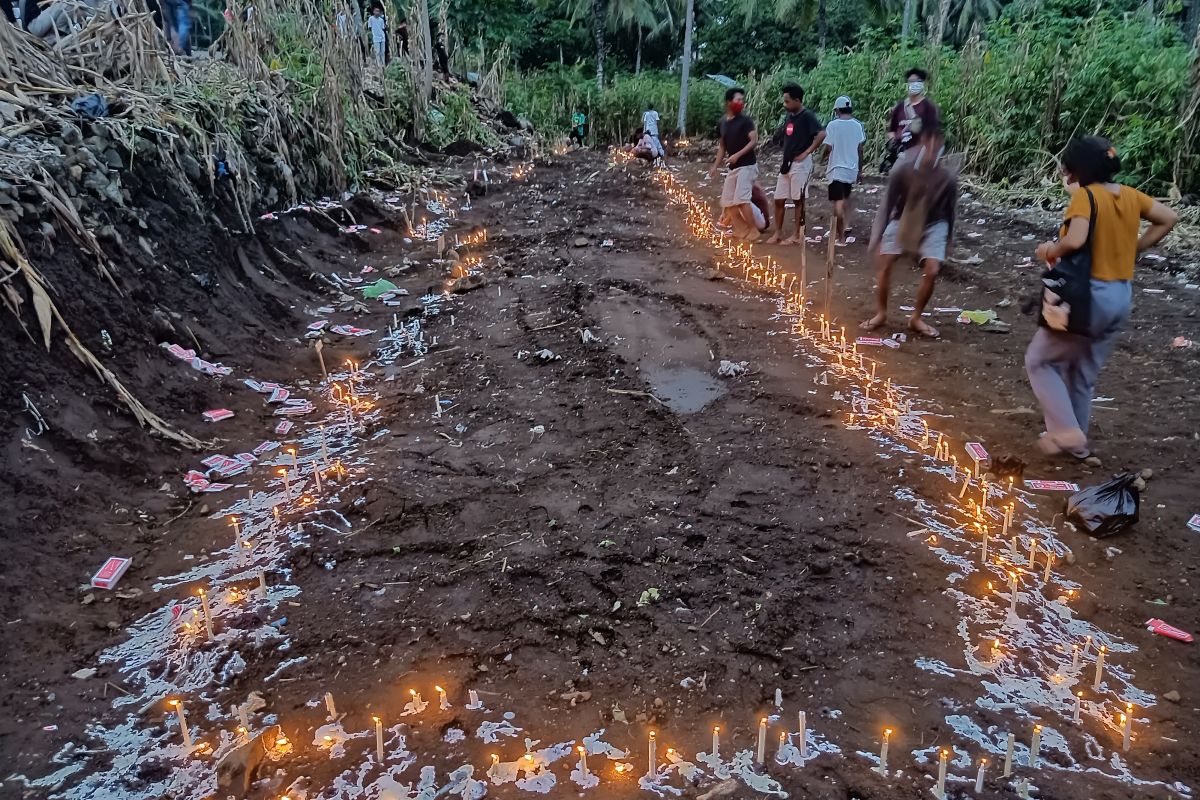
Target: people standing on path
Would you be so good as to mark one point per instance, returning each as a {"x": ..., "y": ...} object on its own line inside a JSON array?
[
  {"x": 909, "y": 119},
  {"x": 802, "y": 135},
  {"x": 1102, "y": 224},
  {"x": 377, "y": 25},
  {"x": 918, "y": 216},
  {"x": 735, "y": 150},
  {"x": 844, "y": 138},
  {"x": 650, "y": 126},
  {"x": 578, "y": 127}
]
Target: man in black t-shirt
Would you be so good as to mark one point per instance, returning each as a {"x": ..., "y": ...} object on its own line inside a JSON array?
[
  {"x": 803, "y": 134},
  {"x": 735, "y": 150}
]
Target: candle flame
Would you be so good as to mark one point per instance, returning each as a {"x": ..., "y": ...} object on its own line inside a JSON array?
[{"x": 887, "y": 732}]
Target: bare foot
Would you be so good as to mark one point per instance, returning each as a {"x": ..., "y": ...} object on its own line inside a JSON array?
[
  {"x": 774, "y": 239},
  {"x": 791, "y": 240},
  {"x": 874, "y": 323},
  {"x": 922, "y": 328}
]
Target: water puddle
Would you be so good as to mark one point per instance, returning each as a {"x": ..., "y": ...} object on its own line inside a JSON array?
[{"x": 684, "y": 390}]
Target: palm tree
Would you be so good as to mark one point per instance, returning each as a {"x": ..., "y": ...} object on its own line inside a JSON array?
[
  {"x": 650, "y": 18},
  {"x": 804, "y": 11},
  {"x": 596, "y": 12},
  {"x": 689, "y": 22}
]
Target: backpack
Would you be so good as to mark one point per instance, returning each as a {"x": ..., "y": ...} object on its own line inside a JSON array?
[{"x": 1067, "y": 287}]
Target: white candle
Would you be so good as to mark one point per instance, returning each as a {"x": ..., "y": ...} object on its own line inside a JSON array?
[
  {"x": 1074, "y": 656},
  {"x": 983, "y": 555},
  {"x": 324, "y": 450},
  {"x": 1099, "y": 668},
  {"x": 291, "y": 451},
  {"x": 1127, "y": 726},
  {"x": 443, "y": 703},
  {"x": 761, "y": 755},
  {"x": 1008, "y": 755},
  {"x": 1049, "y": 564},
  {"x": 243, "y": 717},
  {"x": 1012, "y": 588},
  {"x": 1035, "y": 746},
  {"x": 317, "y": 477},
  {"x": 262, "y": 582},
  {"x": 287, "y": 484},
  {"x": 208, "y": 624},
  {"x": 1033, "y": 548},
  {"x": 1008, "y": 515},
  {"x": 940, "y": 792},
  {"x": 883, "y": 750},
  {"x": 780, "y": 758},
  {"x": 716, "y": 746},
  {"x": 583, "y": 761},
  {"x": 1078, "y": 707},
  {"x": 803, "y": 735},
  {"x": 378, "y": 737},
  {"x": 275, "y": 510},
  {"x": 330, "y": 706},
  {"x": 652, "y": 756},
  {"x": 237, "y": 531},
  {"x": 473, "y": 697},
  {"x": 979, "y": 775},
  {"x": 183, "y": 726},
  {"x": 491, "y": 773}
]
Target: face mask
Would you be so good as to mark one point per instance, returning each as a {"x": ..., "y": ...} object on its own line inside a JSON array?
[
  {"x": 916, "y": 87},
  {"x": 736, "y": 106}
]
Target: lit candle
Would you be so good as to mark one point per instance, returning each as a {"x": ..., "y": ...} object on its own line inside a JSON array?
[
  {"x": 287, "y": 485},
  {"x": 883, "y": 750},
  {"x": 716, "y": 746},
  {"x": 1033, "y": 548},
  {"x": 473, "y": 697},
  {"x": 1012, "y": 588},
  {"x": 1049, "y": 564},
  {"x": 443, "y": 703},
  {"x": 262, "y": 582},
  {"x": 780, "y": 757},
  {"x": 652, "y": 756},
  {"x": 1099, "y": 668},
  {"x": 1074, "y": 656},
  {"x": 983, "y": 555},
  {"x": 291, "y": 451},
  {"x": 378, "y": 737},
  {"x": 329, "y": 706},
  {"x": 243, "y": 717},
  {"x": 583, "y": 767},
  {"x": 803, "y": 735},
  {"x": 1008, "y": 515},
  {"x": 940, "y": 792},
  {"x": 1008, "y": 755},
  {"x": 317, "y": 477},
  {"x": 761, "y": 755},
  {"x": 275, "y": 510},
  {"x": 954, "y": 478},
  {"x": 208, "y": 624},
  {"x": 1078, "y": 707},
  {"x": 1035, "y": 746},
  {"x": 1127, "y": 726},
  {"x": 183, "y": 726},
  {"x": 237, "y": 530},
  {"x": 492, "y": 770},
  {"x": 979, "y": 775}
]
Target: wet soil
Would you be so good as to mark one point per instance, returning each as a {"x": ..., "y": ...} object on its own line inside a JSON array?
[{"x": 510, "y": 543}]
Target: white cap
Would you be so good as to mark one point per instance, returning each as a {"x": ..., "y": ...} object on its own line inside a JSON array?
[{"x": 842, "y": 103}]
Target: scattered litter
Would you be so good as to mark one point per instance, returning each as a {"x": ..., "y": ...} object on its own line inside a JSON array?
[
  {"x": 546, "y": 354},
  {"x": 1156, "y": 625},
  {"x": 108, "y": 575},
  {"x": 1154, "y": 291},
  {"x": 278, "y": 395},
  {"x": 317, "y": 326},
  {"x": 1181, "y": 342},
  {"x": 892, "y": 343},
  {"x": 649, "y": 596},
  {"x": 84, "y": 674},
  {"x": 217, "y": 414},
  {"x": 731, "y": 369},
  {"x": 379, "y": 287},
  {"x": 977, "y": 317},
  {"x": 948, "y": 310},
  {"x": 538, "y": 430},
  {"x": 607, "y": 243},
  {"x": 283, "y": 427},
  {"x": 869, "y": 341},
  {"x": 1052, "y": 486},
  {"x": 588, "y": 336},
  {"x": 1194, "y": 523},
  {"x": 1153, "y": 257},
  {"x": 184, "y": 354},
  {"x": 350, "y": 330}
]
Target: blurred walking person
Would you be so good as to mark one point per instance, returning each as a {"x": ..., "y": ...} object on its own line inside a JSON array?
[
  {"x": 735, "y": 151},
  {"x": 844, "y": 138},
  {"x": 377, "y": 25},
  {"x": 650, "y": 126},
  {"x": 802, "y": 135}
]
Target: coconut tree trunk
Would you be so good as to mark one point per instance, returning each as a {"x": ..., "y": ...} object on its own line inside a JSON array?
[
  {"x": 601, "y": 45},
  {"x": 906, "y": 23},
  {"x": 688, "y": 22},
  {"x": 637, "y": 66},
  {"x": 822, "y": 25},
  {"x": 943, "y": 18},
  {"x": 426, "y": 51},
  {"x": 1191, "y": 22}
]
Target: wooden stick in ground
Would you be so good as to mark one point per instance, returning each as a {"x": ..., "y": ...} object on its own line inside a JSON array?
[
  {"x": 802, "y": 235},
  {"x": 829, "y": 261},
  {"x": 319, "y": 346}
]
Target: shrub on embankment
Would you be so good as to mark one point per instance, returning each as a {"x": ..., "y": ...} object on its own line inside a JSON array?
[{"x": 1011, "y": 99}]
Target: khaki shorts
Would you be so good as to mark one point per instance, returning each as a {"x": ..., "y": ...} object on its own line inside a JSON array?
[
  {"x": 739, "y": 186},
  {"x": 794, "y": 185},
  {"x": 933, "y": 241}
]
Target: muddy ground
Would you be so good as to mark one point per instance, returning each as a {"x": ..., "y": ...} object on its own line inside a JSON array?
[{"x": 509, "y": 543}]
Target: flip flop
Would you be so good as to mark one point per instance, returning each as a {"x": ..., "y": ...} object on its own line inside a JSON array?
[
  {"x": 871, "y": 325},
  {"x": 922, "y": 328}
]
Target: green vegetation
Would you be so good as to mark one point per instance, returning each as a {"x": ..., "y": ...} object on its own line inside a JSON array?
[{"x": 1011, "y": 95}]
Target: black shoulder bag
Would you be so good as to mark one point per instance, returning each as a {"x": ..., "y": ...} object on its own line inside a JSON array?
[{"x": 1067, "y": 287}]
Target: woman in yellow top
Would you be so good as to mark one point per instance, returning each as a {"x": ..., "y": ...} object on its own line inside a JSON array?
[{"x": 1062, "y": 367}]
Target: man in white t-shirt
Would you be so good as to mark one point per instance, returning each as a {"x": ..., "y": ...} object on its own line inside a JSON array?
[
  {"x": 377, "y": 24},
  {"x": 844, "y": 139},
  {"x": 650, "y": 126}
]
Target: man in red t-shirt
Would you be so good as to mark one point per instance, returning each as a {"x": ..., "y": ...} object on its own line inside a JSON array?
[{"x": 914, "y": 113}]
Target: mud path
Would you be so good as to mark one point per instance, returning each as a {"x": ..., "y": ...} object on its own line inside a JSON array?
[{"x": 559, "y": 505}]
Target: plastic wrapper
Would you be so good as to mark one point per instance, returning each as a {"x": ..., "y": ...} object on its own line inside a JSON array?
[{"x": 1106, "y": 509}]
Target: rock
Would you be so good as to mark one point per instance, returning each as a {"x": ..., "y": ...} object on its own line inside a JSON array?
[
  {"x": 581, "y": 241},
  {"x": 468, "y": 283},
  {"x": 820, "y": 566},
  {"x": 1005, "y": 303},
  {"x": 113, "y": 159},
  {"x": 88, "y": 599},
  {"x": 191, "y": 167},
  {"x": 1172, "y": 695},
  {"x": 1112, "y": 552},
  {"x": 1093, "y": 461},
  {"x": 1146, "y": 474},
  {"x": 1139, "y": 483},
  {"x": 84, "y": 674}
]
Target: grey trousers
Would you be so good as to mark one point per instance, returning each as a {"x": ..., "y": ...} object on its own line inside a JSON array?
[{"x": 1063, "y": 367}]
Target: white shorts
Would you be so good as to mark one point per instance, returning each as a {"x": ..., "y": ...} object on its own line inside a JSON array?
[
  {"x": 739, "y": 186},
  {"x": 794, "y": 185},
  {"x": 933, "y": 241}
]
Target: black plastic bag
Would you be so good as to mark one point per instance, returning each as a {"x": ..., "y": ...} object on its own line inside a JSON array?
[{"x": 1108, "y": 508}]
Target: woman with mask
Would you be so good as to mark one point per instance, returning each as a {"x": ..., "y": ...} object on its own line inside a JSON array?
[{"x": 1103, "y": 218}]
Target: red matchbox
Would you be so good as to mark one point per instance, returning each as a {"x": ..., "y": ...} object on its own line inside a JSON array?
[{"x": 111, "y": 572}]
